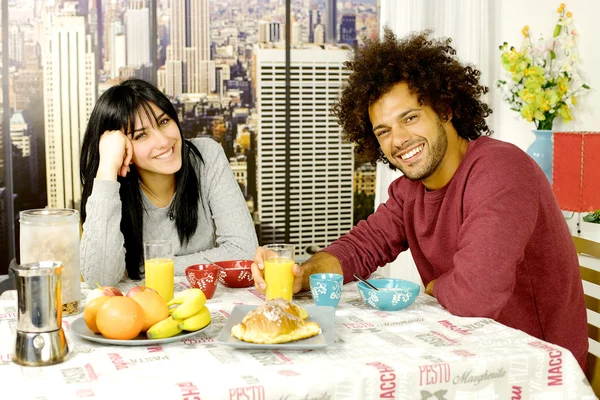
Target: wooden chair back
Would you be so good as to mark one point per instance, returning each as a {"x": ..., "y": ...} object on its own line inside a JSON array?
[{"x": 589, "y": 261}]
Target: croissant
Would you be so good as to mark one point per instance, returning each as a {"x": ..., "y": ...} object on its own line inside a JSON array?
[
  {"x": 272, "y": 324},
  {"x": 289, "y": 307}
]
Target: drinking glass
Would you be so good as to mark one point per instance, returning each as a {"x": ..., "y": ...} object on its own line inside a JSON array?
[
  {"x": 279, "y": 278},
  {"x": 159, "y": 263}
]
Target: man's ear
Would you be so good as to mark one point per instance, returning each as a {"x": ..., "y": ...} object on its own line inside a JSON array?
[{"x": 448, "y": 116}]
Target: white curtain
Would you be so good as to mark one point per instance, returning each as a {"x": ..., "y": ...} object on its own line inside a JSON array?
[{"x": 467, "y": 22}]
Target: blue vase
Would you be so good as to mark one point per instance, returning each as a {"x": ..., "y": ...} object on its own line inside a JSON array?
[{"x": 541, "y": 151}]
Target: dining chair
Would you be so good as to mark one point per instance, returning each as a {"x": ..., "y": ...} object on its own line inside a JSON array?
[{"x": 589, "y": 261}]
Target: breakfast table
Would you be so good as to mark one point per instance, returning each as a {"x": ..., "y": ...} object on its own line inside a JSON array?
[{"x": 420, "y": 352}]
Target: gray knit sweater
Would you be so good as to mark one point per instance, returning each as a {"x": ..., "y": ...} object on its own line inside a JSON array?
[{"x": 225, "y": 229}]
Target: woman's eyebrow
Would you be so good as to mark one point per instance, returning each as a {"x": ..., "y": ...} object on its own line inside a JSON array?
[{"x": 142, "y": 128}]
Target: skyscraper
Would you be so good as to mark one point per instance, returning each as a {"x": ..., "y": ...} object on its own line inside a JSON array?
[
  {"x": 331, "y": 25},
  {"x": 118, "y": 48},
  {"x": 319, "y": 34},
  {"x": 269, "y": 31},
  {"x": 189, "y": 68},
  {"x": 26, "y": 85},
  {"x": 137, "y": 25},
  {"x": 348, "y": 28},
  {"x": 84, "y": 7},
  {"x": 314, "y": 18},
  {"x": 97, "y": 15},
  {"x": 16, "y": 44},
  {"x": 320, "y": 164},
  {"x": 69, "y": 95},
  {"x": 296, "y": 33},
  {"x": 18, "y": 134}
]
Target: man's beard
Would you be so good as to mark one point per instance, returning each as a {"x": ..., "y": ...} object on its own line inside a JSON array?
[{"x": 437, "y": 150}]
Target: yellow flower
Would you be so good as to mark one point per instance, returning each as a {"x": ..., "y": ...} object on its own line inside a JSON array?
[
  {"x": 527, "y": 96},
  {"x": 533, "y": 85},
  {"x": 539, "y": 115},
  {"x": 517, "y": 76},
  {"x": 543, "y": 102},
  {"x": 569, "y": 14},
  {"x": 527, "y": 112},
  {"x": 563, "y": 84},
  {"x": 552, "y": 97},
  {"x": 573, "y": 100},
  {"x": 525, "y": 31},
  {"x": 565, "y": 112},
  {"x": 535, "y": 71}
]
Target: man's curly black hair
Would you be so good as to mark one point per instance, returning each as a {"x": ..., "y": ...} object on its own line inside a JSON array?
[{"x": 431, "y": 71}]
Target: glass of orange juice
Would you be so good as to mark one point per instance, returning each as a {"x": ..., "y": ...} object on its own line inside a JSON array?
[
  {"x": 159, "y": 263},
  {"x": 279, "y": 278}
]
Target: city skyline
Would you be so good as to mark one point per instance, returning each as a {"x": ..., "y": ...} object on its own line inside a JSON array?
[{"x": 205, "y": 64}]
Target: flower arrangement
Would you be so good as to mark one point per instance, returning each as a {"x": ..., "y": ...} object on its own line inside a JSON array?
[{"x": 542, "y": 77}]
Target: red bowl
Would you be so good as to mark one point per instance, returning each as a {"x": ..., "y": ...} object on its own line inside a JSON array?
[
  {"x": 203, "y": 277},
  {"x": 236, "y": 273}
]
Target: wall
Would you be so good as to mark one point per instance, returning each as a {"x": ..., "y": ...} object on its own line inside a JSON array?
[{"x": 508, "y": 18}]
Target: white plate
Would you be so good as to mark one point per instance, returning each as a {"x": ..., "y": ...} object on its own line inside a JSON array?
[
  {"x": 79, "y": 328},
  {"x": 324, "y": 316}
]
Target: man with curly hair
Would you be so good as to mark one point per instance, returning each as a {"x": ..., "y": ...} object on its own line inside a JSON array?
[{"x": 478, "y": 214}]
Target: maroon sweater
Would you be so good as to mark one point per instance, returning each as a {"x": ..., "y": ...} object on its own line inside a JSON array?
[{"x": 494, "y": 239}]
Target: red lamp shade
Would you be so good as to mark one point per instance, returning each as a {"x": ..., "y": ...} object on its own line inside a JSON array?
[{"x": 576, "y": 170}]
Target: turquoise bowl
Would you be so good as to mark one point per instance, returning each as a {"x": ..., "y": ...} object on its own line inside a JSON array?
[{"x": 393, "y": 294}]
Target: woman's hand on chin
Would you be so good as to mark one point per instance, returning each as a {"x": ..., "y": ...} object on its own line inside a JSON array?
[{"x": 116, "y": 152}]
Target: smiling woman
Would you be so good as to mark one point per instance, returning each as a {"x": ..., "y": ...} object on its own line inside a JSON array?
[
  {"x": 157, "y": 146},
  {"x": 142, "y": 181}
]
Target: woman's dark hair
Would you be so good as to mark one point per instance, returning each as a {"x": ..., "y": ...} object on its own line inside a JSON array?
[
  {"x": 117, "y": 109},
  {"x": 431, "y": 71}
]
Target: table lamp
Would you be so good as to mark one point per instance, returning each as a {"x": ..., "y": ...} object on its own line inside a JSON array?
[{"x": 576, "y": 172}]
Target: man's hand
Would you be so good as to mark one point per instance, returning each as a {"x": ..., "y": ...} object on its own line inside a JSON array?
[
  {"x": 258, "y": 272},
  {"x": 429, "y": 288},
  {"x": 321, "y": 262}
]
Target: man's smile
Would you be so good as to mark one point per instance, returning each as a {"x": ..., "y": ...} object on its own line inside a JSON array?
[{"x": 406, "y": 156}]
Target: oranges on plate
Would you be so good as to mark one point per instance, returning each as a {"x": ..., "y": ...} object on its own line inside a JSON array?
[
  {"x": 124, "y": 317},
  {"x": 120, "y": 317},
  {"x": 154, "y": 307}
]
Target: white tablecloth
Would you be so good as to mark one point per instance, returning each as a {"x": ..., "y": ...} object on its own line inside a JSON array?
[{"x": 421, "y": 352}]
